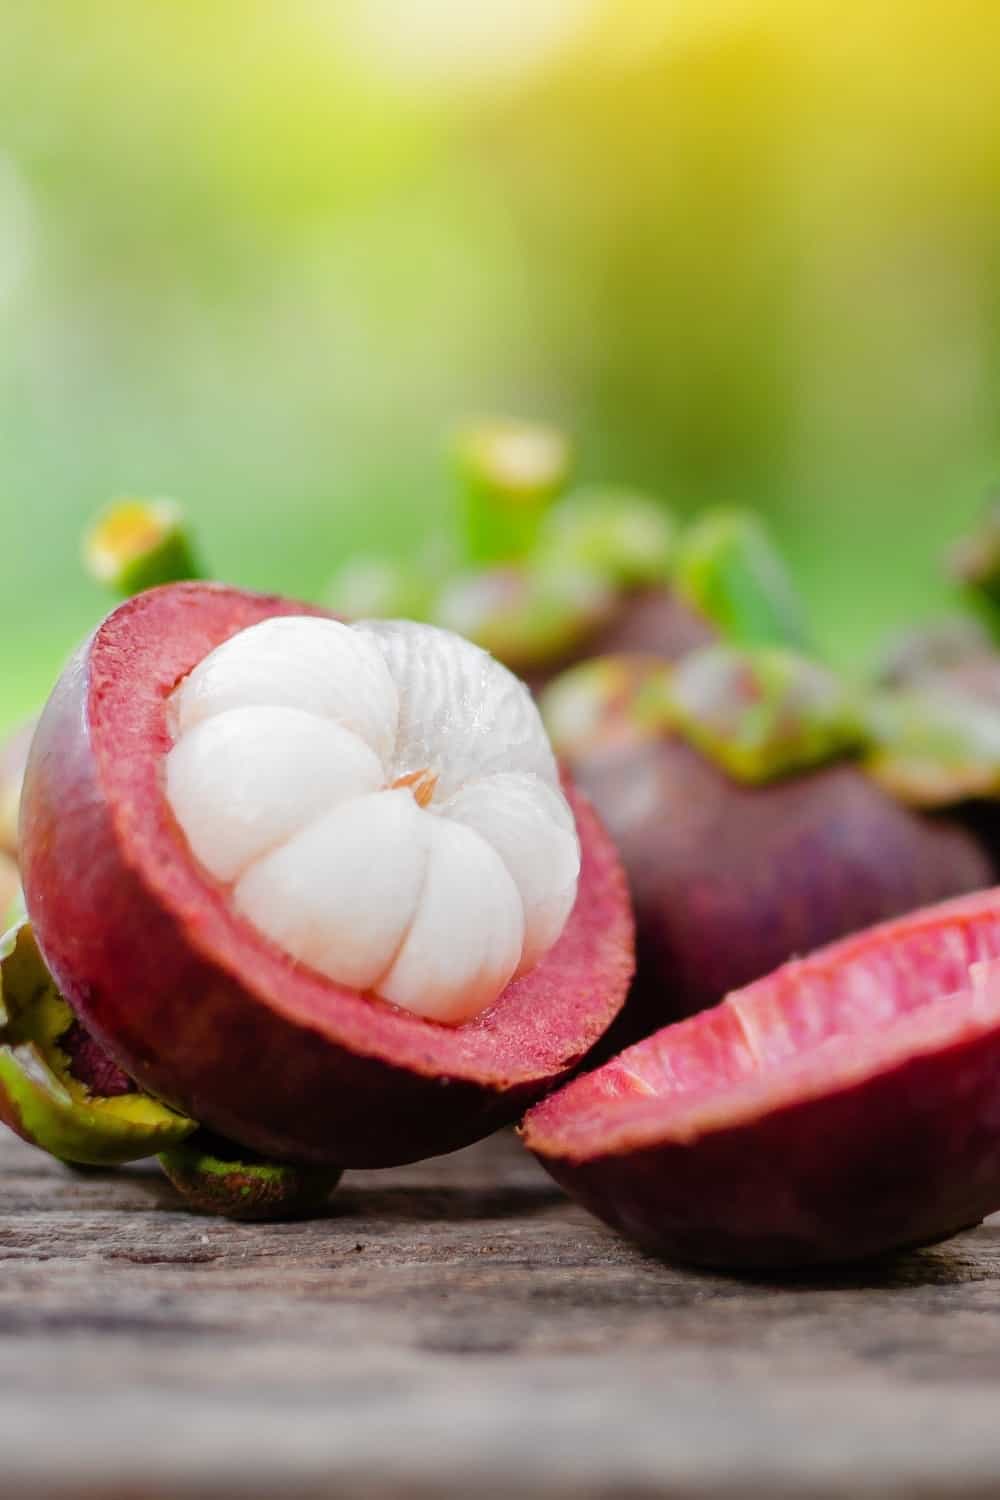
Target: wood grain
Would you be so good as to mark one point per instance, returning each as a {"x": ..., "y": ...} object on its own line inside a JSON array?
[{"x": 457, "y": 1329}]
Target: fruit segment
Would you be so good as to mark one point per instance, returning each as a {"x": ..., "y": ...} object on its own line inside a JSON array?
[
  {"x": 377, "y": 835},
  {"x": 844, "y": 1106}
]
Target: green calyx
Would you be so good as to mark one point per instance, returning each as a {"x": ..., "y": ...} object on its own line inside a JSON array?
[
  {"x": 623, "y": 536},
  {"x": 975, "y": 562},
  {"x": 726, "y": 567},
  {"x": 138, "y": 544},
  {"x": 508, "y": 474},
  {"x": 606, "y": 704},
  {"x": 935, "y": 745},
  {"x": 217, "y": 1177},
  {"x": 762, "y": 712},
  {"x": 757, "y": 713},
  {"x": 39, "y": 1096},
  {"x": 526, "y": 614}
]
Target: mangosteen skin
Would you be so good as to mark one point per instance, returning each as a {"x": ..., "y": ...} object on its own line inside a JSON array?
[
  {"x": 729, "y": 880},
  {"x": 203, "y": 1012},
  {"x": 902, "y": 1150},
  {"x": 653, "y": 622},
  {"x": 885, "y": 1166}
]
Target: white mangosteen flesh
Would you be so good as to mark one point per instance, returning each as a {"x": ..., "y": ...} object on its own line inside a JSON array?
[{"x": 383, "y": 803}]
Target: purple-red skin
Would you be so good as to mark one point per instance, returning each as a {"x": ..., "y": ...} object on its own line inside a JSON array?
[
  {"x": 651, "y": 621},
  {"x": 742, "y": 1138},
  {"x": 656, "y": 622},
  {"x": 199, "y": 1008},
  {"x": 729, "y": 880}
]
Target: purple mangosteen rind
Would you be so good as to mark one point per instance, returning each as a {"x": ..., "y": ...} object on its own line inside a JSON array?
[{"x": 838, "y": 1109}]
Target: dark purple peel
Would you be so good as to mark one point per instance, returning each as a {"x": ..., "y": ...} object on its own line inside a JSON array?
[{"x": 843, "y": 1107}]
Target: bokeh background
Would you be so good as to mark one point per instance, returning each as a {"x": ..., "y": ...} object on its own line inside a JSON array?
[{"x": 262, "y": 256}]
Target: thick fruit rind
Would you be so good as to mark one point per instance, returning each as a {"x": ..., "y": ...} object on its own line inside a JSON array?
[
  {"x": 215, "y": 1177},
  {"x": 749, "y": 1136},
  {"x": 41, "y": 1099},
  {"x": 205, "y": 1013}
]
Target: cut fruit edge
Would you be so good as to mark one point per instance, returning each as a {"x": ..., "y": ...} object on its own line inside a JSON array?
[{"x": 815, "y": 1027}]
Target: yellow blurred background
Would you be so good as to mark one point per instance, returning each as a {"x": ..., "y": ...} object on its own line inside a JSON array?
[{"x": 262, "y": 257}]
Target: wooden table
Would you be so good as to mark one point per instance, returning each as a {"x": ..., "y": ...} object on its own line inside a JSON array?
[{"x": 457, "y": 1329}]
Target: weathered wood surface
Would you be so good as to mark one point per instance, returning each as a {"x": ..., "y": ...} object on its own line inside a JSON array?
[{"x": 457, "y": 1329}]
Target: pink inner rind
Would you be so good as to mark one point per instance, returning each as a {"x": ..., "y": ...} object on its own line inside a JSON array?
[{"x": 851, "y": 1011}]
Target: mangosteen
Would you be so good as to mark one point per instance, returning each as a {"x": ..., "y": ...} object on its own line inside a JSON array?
[
  {"x": 749, "y": 827},
  {"x": 842, "y": 1107},
  {"x": 609, "y": 575},
  {"x": 316, "y": 886}
]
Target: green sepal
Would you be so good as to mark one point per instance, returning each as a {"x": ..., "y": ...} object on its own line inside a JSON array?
[
  {"x": 138, "y": 544},
  {"x": 934, "y": 745},
  {"x": 974, "y": 562},
  {"x": 762, "y": 712},
  {"x": 727, "y": 568},
  {"x": 217, "y": 1177},
  {"x": 526, "y": 614},
  {"x": 624, "y": 536},
  {"x": 508, "y": 473},
  {"x": 606, "y": 704},
  {"x": 39, "y": 1097}
]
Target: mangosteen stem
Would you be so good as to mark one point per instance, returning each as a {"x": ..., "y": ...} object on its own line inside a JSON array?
[
  {"x": 508, "y": 474},
  {"x": 138, "y": 544}
]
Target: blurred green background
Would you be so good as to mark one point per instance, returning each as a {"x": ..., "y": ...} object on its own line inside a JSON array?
[{"x": 263, "y": 256}]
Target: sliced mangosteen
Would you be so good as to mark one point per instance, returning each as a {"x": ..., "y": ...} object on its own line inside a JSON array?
[
  {"x": 748, "y": 829},
  {"x": 317, "y": 885},
  {"x": 843, "y": 1107},
  {"x": 58, "y": 1089}
]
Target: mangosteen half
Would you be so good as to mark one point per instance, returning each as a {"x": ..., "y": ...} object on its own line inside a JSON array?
[
  {"x": 842, "y": 1107},
  {"x": 316, "y": 886}
]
